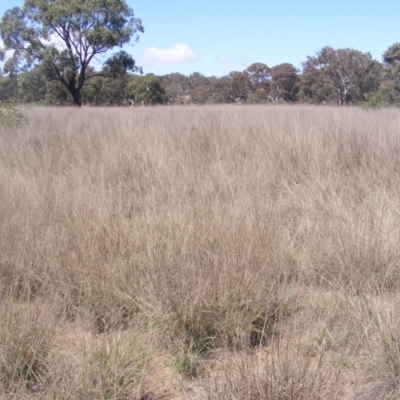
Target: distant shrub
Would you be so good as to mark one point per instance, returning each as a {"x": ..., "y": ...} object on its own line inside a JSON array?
[
  {"x": 10, "y": 116},
  {"x": 375, "y": 100}
]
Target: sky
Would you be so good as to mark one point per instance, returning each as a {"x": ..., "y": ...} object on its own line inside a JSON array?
[{"x": 215, "y": 37}]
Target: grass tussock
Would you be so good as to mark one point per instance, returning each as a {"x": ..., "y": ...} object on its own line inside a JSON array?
[
  {"x": 26, "y": 336},
  {"x": 211, "y": 230},
  {"x": 283, "y": 373}
]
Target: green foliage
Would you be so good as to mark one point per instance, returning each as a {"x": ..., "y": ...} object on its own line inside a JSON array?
[
  {"x": 10, "y": 116},
  {"x": 32, "y": 86},
  {"x": 240, "y": 86},
  {"x": 342, "y": 75},
  {"x": 284, "y": 83},
  {"x": 84, "y": 29},
  {"x": 107, "y": 91},
  {"x": 259, "y": 76},
  {"x": 209, "y": 90},
  {"x": 176, "y": 87},
  {"x": 120, "y": 63},
  {"x": 389, "y": 88},
  {"x": 333, "y": 76},
  {"x": 217, "y": 98},
  {"x": 260, "y": 96},
  {"x": 146, "y": 90},
  {"x": 201, "y": 94},
  {"x": 375, "y": 100},
  {"x": 8, "y": 87},
  {"x": 56, "y": 94},
  {"x": 392, "y": 54}
]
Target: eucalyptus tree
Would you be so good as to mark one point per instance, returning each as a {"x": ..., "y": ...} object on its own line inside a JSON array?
[
  {"x": 146, "y": 90},
  {"x": 107, "y": 91},
  {"x": 259, "y": 76},
  {"x": 389, "y": 89},
  {"x": 345, "y": 75},
  {"x": 32, "y": 86},
  {"x": 8, "y": 88},
  {"x": 240, "y": 86},
  {"x": 177, "y": 87},
  {"x": 284, "y": 83},
  {"x": 64, "y": 37}
]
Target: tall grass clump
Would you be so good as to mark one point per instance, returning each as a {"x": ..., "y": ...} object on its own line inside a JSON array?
[
  {"x": 26, "y": 341},
  {"x": 283, "y": 374},
  {"x": 381, "y": 327},
  {"x": 108, "y": 367}
]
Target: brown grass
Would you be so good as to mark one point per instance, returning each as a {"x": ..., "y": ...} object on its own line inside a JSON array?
[{"x": 200, "y": 252}]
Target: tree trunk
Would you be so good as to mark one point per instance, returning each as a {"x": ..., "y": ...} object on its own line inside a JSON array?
[{"x": 77, "y": 98}]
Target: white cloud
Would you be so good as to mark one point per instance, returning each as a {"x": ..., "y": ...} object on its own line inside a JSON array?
[
  {"x": 226, "y": 58},
  {"x": 176, "y": 54},
  {"x": 55, "y": 40},
  {"x": 303, "y": 59},
  {"x": 7, "y": 53},
  {"x": 246, "y": 61}
]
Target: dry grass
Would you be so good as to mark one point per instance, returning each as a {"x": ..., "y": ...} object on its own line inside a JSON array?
[{"x": 200, "y": 252}]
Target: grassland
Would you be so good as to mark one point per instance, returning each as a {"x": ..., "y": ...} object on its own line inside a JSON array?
[{"x": 225, "y": 252}]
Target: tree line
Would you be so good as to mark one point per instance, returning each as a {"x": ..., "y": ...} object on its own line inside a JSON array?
[{"x": 54, "y": 44}]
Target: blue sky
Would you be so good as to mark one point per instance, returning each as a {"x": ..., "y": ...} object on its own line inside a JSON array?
[{"x": 214, "y": 37}]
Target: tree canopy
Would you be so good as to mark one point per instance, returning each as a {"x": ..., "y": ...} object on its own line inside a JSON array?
[
  {"x": 64, "y": 37},
  {"x": 284, "y": 83},
  {"x": 259, "y": 76},
  {"x": 146, "y": 90},
  {"x": 389, "y": 89},
  {"x": 54, "y": 45},
  {"x": 342, "y": 74}
]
